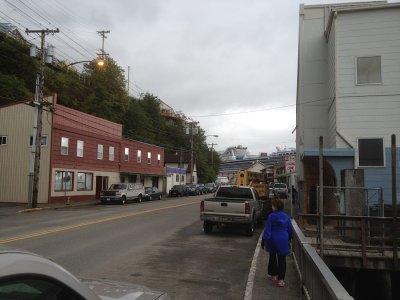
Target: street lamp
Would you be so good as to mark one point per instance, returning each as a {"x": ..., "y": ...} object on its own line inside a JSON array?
[{"x": 99, "y": 62}]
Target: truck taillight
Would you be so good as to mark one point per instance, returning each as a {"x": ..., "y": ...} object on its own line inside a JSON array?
[
  {"x": 202, "y": 205},
  {"x": 247, "y": 208}
]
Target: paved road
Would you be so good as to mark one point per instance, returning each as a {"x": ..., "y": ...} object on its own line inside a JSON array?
[{"x": 159, "y": 244}]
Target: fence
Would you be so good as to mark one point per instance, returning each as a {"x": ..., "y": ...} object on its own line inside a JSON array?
[{"x": 317, "y": 279}]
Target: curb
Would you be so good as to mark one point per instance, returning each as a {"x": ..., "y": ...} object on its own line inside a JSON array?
[
  {"x": 28, "y": 210},
  {"x": 248, "y": 295}
]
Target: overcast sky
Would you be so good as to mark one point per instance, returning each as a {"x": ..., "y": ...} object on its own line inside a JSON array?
[{"x": 231, "y": 65}]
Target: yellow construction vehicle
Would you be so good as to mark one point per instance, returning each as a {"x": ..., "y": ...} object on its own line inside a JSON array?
[{"x": 254, "y": 179}]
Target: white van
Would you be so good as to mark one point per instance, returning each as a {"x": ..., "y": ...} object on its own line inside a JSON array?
[{"x": 123, "y": 192}]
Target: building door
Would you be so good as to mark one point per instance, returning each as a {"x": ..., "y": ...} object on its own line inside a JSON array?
[{"x": 101, "y": 184}]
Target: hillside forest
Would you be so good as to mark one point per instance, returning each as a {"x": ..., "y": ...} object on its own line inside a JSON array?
[{"x": 101, "y": 91}]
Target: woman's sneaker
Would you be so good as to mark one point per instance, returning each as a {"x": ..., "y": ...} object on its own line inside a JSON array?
[
  {"x": 280, "y": 283},
  {"x": 272, "y": 278}
]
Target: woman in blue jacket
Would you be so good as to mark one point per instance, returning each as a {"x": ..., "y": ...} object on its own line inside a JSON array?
[{"x": 275, "y": 240}]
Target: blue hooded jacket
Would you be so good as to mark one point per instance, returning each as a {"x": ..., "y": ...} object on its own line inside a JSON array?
[{"x": 277, "y": 233}]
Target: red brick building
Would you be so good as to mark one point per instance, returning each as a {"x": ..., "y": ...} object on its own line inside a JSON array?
[{"x": 80, "y": 155}]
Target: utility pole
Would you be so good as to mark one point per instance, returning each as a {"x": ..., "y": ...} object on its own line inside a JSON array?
[
  {"x": 39, "y": 111},
  {"x": 191, "y": 130},
  {"x": 102, "y": 33},
  {"x": 212, "y": 153},
  {"x": 129, "y": 70}
]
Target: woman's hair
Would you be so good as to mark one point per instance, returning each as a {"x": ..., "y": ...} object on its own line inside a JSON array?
[{"x": 278, "y": 203}]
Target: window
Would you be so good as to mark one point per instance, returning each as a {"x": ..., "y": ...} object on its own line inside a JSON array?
[
  {"x": 3, "y": 140},
  {"x": 126, "y": 154},
  {"x": 158, "y": 159},
  {"x": 370, "y": 153},
  {"x": 79, "y": 148},
  {"x": 183, "y": 178},
  {"x": 64, "y": 145},
  {"x": 35, "y": 287},
  {"x": 369, "y": 70},
  {"x": 139, "y": 156},
  {"x": 149, "y": 157},
  {"x": 99, "y": 151},
  {"x": 63, "y": 181},
  {"x": 85, "y": 182},
  {"x": 111, "y": 153},
  {"x": 177, "y": 177},
  {"x": 43, "y": 140}
]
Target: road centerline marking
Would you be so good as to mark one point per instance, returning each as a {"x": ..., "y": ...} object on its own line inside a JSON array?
[{"x": 87, "y": 223}]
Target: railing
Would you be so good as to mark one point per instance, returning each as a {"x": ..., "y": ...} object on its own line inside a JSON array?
[
  {"x": 317, "y": 279},
  {"x": 372, "y": 237}
]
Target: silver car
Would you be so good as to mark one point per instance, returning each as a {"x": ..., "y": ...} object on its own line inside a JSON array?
[{"x": 25, "y": 275}]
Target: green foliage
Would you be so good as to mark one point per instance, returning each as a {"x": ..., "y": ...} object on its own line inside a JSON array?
[{"x": 100, "y": 91}]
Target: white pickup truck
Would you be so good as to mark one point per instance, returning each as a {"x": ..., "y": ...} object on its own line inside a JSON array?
[{"x": 232, "y": 205}]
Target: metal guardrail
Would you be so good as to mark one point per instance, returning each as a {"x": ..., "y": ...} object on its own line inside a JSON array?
[
  {"x": 317, "y": 279},
  {"x": 362, "y": 233}
]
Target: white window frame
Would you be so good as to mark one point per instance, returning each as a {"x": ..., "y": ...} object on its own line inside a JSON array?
[
  {"x": 79, "y": 148},
  {"x": 126, "y": 154},
  {"x": 100, "y": 151},
  {"x": 149, "y": 157},
  {"x": 383, "y": 153},
  {"x": 111, "y": 153},
  {"x": 139, "y": 156},
  {"x": 86, "y": 180},
  {"x": 3, "y": 140},
  {"x": 64, "y": 146},
  {"x": 158, "y": 159},
  {"x": 60, "y": 183},
  {"x": 356, "y": 70}
]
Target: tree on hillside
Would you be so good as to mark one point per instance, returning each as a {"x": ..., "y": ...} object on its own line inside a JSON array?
[
  {"x": 17, "y": 70},
  {"x": 101, "y": 92}
]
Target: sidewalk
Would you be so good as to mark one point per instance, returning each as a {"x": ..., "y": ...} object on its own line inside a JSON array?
[
  {"x": 14, "y": 208},
  {"x": 264, "y": 289}
]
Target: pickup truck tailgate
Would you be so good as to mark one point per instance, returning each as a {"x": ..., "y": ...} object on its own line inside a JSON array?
[{"x": 223, "y": 206}]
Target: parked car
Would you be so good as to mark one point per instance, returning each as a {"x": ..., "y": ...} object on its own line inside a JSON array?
[
  {"x": 151, "y": 193},
  {"x": 122, "y": 192},
  {"x": 25, "y": 275},
  {"x": 202, "y": 188},
  {"x": 179, "y": 190},
  {"x": 194, "y": 189},
  {"x": 211, "y": 187},
  {"x": 280, "y": 189}
]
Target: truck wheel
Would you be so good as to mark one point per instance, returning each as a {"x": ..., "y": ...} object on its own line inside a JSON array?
[
  {"x": 139, "y": 199},
  {"x": 207, "y": 227},
  {"x": 250, "y": 229},
  {"x": 123, "y": 200},
  {"x": 159, "y": 197}
]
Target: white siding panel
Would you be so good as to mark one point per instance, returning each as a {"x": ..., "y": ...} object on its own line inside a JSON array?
[
  {"x": 368, "y": 110},
  {"x": 16, "y": 122}
]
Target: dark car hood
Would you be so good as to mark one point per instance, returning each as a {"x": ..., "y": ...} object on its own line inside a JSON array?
[{"x": 111, "y": 290}]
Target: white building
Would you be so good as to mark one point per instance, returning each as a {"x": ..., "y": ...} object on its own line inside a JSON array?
[{"x": 348, "y": 93}]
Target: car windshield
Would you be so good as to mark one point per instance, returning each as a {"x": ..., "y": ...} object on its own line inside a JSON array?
[
  {"x": 209, "y": 184},
  {"x": 118, "y": 187},
  {"x": 147, "y": 189},
  {"x": 177, "y": 186},
  {"x": 234, "y": 192},
  {"x": 280, "y": 185},
  {"x": 192, "y": 185}
]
